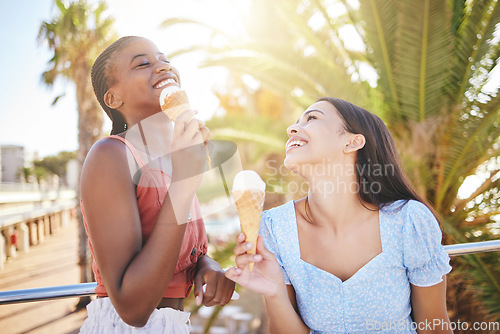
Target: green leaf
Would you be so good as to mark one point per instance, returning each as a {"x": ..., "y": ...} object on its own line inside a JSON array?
[
  {"x": 380, "y": 24},
  {"x": 480, "y": 20},
  {"x": 62, "y": 7},
  {"x": 56, "y": 99}
]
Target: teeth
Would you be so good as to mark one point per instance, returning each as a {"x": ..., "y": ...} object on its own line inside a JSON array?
[
  {"x": 296, "y": 143},
  {"x": 166, "y": 82}
]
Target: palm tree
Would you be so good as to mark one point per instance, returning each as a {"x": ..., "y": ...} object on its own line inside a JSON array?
[
  {"x": 433, "y": 61},
  {"x": 283, "y": 53},
  {"x": 75, "y": 37}
]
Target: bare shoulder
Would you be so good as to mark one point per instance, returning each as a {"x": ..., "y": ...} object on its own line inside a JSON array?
[
  {"x": 106, "y": 167},
  {"x": 106, "y": 151},
  {"x": 105, "y": 155}
]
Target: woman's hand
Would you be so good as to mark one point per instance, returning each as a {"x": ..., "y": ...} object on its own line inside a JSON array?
[
  {"x": 219, "y": 289},
  {"x": 266, "y": 277},
  {"x": 189, "y": 159}
]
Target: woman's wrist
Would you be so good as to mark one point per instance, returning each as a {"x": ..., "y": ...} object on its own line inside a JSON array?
[
  {"x": 279, "y": 295},
  {"x": 206, "y": 262}
]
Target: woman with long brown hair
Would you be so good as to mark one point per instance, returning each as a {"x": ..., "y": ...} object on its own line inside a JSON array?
[{"x": 361, "y": 253}]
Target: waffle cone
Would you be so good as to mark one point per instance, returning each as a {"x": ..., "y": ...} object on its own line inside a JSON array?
[
  {"x": 250, "y": 204},
  {"x": 175, "y": 104}
]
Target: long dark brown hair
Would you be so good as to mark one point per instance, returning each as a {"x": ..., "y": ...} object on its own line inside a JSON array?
[
  {"x": 379, "y": 175},
  {"x": 102, "y": 79}
]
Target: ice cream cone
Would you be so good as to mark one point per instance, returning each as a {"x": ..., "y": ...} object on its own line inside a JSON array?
[
  {"x": 175, "y": 104},
  {"x": 249, "y": 198}
]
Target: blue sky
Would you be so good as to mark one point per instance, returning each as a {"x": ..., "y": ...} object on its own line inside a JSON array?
[{"x": 27, "y": 117}]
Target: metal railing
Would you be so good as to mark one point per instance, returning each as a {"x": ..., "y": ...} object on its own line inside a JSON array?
[
  {"x": 87, "y": 289},
  {"x": 52, "y": 292},
  {"x": 473, "y": 247}
]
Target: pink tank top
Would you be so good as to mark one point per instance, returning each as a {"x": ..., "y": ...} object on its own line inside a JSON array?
[{"x": 151, "y": 191}]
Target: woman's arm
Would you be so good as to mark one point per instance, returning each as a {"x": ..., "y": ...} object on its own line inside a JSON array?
[
  {"x": 284, "y": 315},
  {"x": 135, "y": 275},
  {"x": 429, "y": 307},
  {"x": 267, "y": 278}
]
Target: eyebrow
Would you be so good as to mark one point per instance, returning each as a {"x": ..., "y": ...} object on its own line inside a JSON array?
[
  {"x": 308, "y": 112},
  {"x": 145, "y": 55},
  {"x": 137, "y": 56}
]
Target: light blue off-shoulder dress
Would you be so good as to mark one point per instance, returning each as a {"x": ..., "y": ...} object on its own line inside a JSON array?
[{"x": 376, "y": 299}]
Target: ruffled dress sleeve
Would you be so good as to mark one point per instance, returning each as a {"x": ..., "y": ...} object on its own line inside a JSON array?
[
  {"x": 270, "y": 241},
  {"x": 424, "y": 256}
]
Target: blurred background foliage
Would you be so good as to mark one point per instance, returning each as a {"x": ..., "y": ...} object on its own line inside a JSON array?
[
  {"x": 423, "y": 66},
  {"x": 48, "y": 166}
]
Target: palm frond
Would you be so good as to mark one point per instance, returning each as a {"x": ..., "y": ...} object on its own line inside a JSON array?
[
  {"x": 62, "y": 7},
  {"x": 281, "y": 82},
  {"x": 182, "y": 20},
  {"x": 57, "y": 98},
  {"x": 380, "y": 25},
  {"x": 333, "y": 28},
  {"x": 283, "y": 72},
  {"x": 486, "y": 185},
  {"x": 471, "y": 143},
  {"x": 423, "y": 54},
  {"x": 480, "y": 18},
  {"x": 298, "y": 23},
  {"x": 248, "y": 136},
  {"x": 488, "y": 33}
]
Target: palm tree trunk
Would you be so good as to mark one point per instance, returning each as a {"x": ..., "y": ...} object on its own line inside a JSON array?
[{"x": 90, "y": 122}]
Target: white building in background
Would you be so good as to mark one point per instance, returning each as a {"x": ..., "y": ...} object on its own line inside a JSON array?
[
  {"x": 72, "y": 171},
  {"x": 11, "y": 163}
]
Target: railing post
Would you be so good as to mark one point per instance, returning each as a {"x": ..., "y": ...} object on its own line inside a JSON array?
[
  {"x": 46, "y": 225},
  {"x": 32, "y": 226},
  {"x": 65, "y": 217},
  {"x": 3, "y": 255},
  {"x": 40, "y": 223},
  {"x": 55, "y": 221},
  {"x": 24, "y": 237},
  {"x": 10, "y": 249},
  {"x": 59, "y": 219}
]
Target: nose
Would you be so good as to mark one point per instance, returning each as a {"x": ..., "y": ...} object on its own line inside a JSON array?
[
  {"x": 163, "y": 67},
  {"x": 292, "y": 129}
]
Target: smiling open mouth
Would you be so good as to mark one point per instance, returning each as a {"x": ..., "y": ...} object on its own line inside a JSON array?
[
  {"x": 295, "y": 144},
  {"x": 168, "y": 81}
]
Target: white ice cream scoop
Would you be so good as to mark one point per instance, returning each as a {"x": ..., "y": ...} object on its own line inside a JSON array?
[
  {"x": 248, "y": 179},
  {"x": 166, "y": 92}
]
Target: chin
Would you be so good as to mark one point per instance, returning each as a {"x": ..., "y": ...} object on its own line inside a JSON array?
[{"x": 293, "y": 164}]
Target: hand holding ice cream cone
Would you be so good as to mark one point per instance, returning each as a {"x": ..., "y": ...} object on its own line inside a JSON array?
[
  {"x": 174, "y": 102},
  {"x": 266, "y": 278},
  {"x": 249, "y": 192}
]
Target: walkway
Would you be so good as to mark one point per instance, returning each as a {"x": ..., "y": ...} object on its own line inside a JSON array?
[{"x": 51, "y": 263}]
